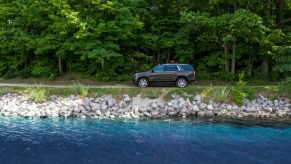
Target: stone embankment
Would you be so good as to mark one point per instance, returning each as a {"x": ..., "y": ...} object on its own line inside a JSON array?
[{"x": 15, "y": 105}]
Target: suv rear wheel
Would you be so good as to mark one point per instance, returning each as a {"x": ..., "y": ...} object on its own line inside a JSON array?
[
  {"x": 143, "y": 82},
  {"x": 181, "y": 82}
]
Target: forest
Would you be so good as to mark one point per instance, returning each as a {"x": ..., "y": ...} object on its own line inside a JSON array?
[{"x": 109, "y": 40}]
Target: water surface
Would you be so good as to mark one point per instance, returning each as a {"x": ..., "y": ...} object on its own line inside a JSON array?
[{"x": 144, "y": 141}]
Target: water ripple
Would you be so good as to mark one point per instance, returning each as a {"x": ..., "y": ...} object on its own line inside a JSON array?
[{"x": 144, "y": 141}]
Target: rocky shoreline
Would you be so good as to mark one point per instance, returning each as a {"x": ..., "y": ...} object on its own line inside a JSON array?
[{"x": 15, "y": 105}]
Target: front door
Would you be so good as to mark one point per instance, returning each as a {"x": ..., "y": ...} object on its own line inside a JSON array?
[{"x": 157, "y": 74}]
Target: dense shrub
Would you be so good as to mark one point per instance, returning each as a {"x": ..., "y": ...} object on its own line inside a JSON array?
[
  {"x": 25, "y": 73},
  {"x": 239, "y": 92},
  {"x": 10, "y": 74},
  {"x": 225, "y": 76},
  {"x": 285, "y": 86}
]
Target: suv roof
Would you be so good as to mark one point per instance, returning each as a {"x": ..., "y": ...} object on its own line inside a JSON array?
[{"x": 174, "y": 64}]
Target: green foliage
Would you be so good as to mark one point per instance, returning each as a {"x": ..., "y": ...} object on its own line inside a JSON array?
[
  {"x": 239, "y": 92},
  {"x": 283, "y": 57},
  {"x": 81, "y": 89},
  {"x": 25, "y": 73},
  {"x": 221, "y": 94},
  {"x": 5, "y": 90},
  {"x": 218, "y": 94},
  {"x": 285, "y": 86},
  {"x": 38, "y": 93},
  {"x": 181, "y": 92},
  {"x": 9, "y": 74},
  {"x": 208, "y": 91},
  {"x": 44, "y": 68},
  {"x": 223, "y": 75},
  {"x": 99, "y": 38},
  {"x": 152, "y": 95}
]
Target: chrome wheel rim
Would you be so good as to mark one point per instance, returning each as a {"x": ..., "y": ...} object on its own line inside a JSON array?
[
  {"x": 182, "y": 83},
  {"x": 143, "y": 82}
]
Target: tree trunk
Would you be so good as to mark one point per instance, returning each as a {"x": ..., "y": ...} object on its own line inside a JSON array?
[
  {"x": 218, "y": 10},
  {"x": 60, "y": 66},
  {"x": 235, "y": 5},
  {"x": 158, "y": 55},
  {"x": 26, "y": 59},
  {"x": 168, "y": 59},
  {"x": 250, "y": 65},
  {"x": 265, "y": 68},
  {"x": 269, "y": 11},
  {"x": 154, "y": 53},
  {"x": 226, "y": 57},
  {"x": 233, "y": 57},
  {"x": 280, "y": 12}
]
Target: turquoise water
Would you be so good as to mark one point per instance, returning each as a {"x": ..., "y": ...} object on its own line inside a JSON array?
[{"x": 145, "y": 141}]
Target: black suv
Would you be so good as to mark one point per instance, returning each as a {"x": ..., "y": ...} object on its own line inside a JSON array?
[{"x": 179, "y": 74}]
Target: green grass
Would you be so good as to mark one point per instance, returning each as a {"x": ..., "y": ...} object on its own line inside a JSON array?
[
  {"x": 115, "y": 92},
  {"x": 220, "y": 94},
  {"x": 37, "y": 93},
  {"x": 271, "y": 92},
  {"x": 118, "y": 92},
  {"x": 152, "y": 92},
  {"x": 190, "y": 90},
  {"x": 5, "y": 90},
  {"x": 81, "y": 89},
  {"x": 205, "y": 82}
]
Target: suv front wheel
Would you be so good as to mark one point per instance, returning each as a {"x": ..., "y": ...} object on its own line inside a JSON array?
[
  {"x": 143, "y": 82},
  {"x": 181, "y": 82}
]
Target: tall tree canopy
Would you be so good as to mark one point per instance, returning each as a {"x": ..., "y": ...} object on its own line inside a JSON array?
[{"x": 107, "y": 39}]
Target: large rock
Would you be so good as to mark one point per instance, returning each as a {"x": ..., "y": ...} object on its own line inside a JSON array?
[
  {"x": 195, "y": 108},
  {"x": 173, "y": 96},
  {"x": 169, "y": 104},
  {"x": 104, "y": 107},
  {"x": 198, "y": 98},
  {"x": 174, "y": 113},
  {"x": 202, "y": 106},
  {"x": 155, "y": 105},
  {"x": 126, "y": 98},
  {"x": 155, "y": 113},
  {"x": 251, "y": 109},
  {"x": 268, "y": 109},
  {"x": 86, "y": 101},
  {"x": 95, "y": 106},
  {"x": 210, "y": 107},
  {"x": 147, "y": 114}
]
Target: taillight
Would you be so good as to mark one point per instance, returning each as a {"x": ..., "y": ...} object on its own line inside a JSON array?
[{"x": 194, "y": 72}]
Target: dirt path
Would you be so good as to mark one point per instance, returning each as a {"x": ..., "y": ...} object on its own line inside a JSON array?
[
  {"x": 62, "y": 82},
  {"x": 94, "y": 86},
  {"x": 62, "y": 86}
]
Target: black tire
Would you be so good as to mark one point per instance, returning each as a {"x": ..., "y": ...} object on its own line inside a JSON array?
[
  {"x": 143, "y": 82},
  {"x": 181, "y": 82}
]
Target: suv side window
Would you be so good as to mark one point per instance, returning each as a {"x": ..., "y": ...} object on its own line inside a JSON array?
[
  {"x": 186, "y": 67},
  {"x": 171, "y": 68},
  {"x": 158, "y": 68}
]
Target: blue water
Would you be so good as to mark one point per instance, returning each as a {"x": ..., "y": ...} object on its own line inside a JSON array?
[{"x": 147, "y": 141}]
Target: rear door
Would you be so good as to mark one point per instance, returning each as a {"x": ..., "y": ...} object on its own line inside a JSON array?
[{"x": 170, "y": 72}]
